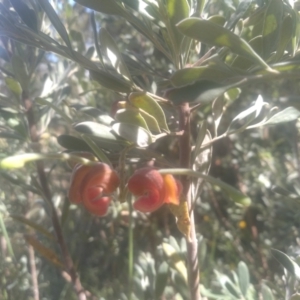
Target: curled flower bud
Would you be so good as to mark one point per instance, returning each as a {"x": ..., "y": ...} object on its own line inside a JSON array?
[
  {"x": 92, "y": 186},
  {"x": 153, "y": 189}
]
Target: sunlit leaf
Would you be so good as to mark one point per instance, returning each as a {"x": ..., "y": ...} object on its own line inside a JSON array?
[
  {"x": 133, "y": 133},
  {"x": 13, "y": 85},
  {"x": 111, "y": 51},
  {"x": 287, "y": 115},
  {"x": 175, "y": 260},
  {"x": 149, "y": 105},
  {"x": 131, "y": 116},
  {"x": 215, "y": 35},
  {"x": 287, "y": 262},
  {"x": 177, "y": 10},
  {"x": 244, "y": 277},
  {"x": 56, "y": 22}
]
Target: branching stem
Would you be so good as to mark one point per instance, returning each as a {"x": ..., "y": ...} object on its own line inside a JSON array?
[{"x": 185, "y": 162}]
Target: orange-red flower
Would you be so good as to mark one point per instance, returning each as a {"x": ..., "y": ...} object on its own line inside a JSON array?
[
  {"x": 92, "y": 186},
  {"x": 153, "y": 189}
]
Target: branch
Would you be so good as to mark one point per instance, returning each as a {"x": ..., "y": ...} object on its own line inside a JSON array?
[
  {"x": 48, "y": 197},
  {"x": 185, "y": 161}
]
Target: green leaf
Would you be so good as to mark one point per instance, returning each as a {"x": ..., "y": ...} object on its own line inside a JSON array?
[
  {"x": 133, "y": 133},
  {"x": 13, "y": 85},
  {"x": 33, "y": 225},
  {"x": 203, "y": 91},
  {"x": 73, "y": 143},
  {"x": 272, "y": 25},
  {"x": 190, "y": 75},
  {"x": 56, "y": 22},
  {"x": 287, "y": 115},
  {"x": 286, "y": 262},
  {"x": 215, "y": 35},
  {"x": 266, "y": 293},
  {"x": 176, "y": 260},
  {"x": 161, "y": 279},
  {"x": 286, "y": 35},
  {"x": 112, "y": 82},
  {"x": 177, "y": 10},
  {"x": 244, "y": 278},
  {"x": 47, "y": 253},
  {"x": 110, "y": 7},
  {"x": 233, "y": 193},
  {"x": 239, "y": 13},
  {"x": 149, "y": 105},
  {"x": 97, "y": 151},
  {"x": 26, "y": 14},
  {"x": 131, "y": 116},
  {"x": 110, "y": 50},
  {"x": 20, "y": 71},
  {"x": 96, "y": 129}
]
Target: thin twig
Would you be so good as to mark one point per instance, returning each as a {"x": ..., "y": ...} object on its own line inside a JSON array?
[{"x": 48, "y": 197}]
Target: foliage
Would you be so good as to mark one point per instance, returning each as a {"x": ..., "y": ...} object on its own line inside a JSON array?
[{"x": 116, "y": 79}]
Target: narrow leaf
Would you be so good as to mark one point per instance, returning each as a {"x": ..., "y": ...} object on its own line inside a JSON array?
[
  {"x": 244, "y": 278},
  {"x": 287, "y": 115},
  {"x": 26, "y": 14},
  {"x": 190, "y": 75},
  {"x": 56, "y": 22},
  {"x": 215, "y": 35},
  {"x": 111, "y": 51},
  {"x": 33, "y": 225},
  {"x": 47, "y": 253},
  {"x": 161, "y": 279},
  {"x": 286, "y": 262},
  {"x": 272, "y": 25},
  {"x": 112, "y": 82},
  {"x": 175, "y": 260}
]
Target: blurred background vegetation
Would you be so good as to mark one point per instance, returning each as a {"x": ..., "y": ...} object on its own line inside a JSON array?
[{"x": 262, "y": 162}]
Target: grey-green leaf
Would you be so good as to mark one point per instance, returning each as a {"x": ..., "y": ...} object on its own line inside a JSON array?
[
  {"x": 244, "y": 278},
  {"x": 133, "y": 133},
  {"x": 161, "y": 279},
  {"x": 111, "y": 51},
  {"x": 266, "y": 293},
  {"x": 287, "y": 115},
  {"x": 215, "y": 35},
  {"x": 287, "y": 262},
  {"x": 272, "y": 25},
  {"x": 56, "y": 22}
]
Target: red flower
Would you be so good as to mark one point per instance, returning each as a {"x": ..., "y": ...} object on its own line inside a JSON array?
[
  {"x": 153, "y": 189},
  {"x": 92, "y": 186}
]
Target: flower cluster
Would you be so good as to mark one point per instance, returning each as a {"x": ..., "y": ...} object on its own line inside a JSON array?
[{"x": 93, "y": 187}]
